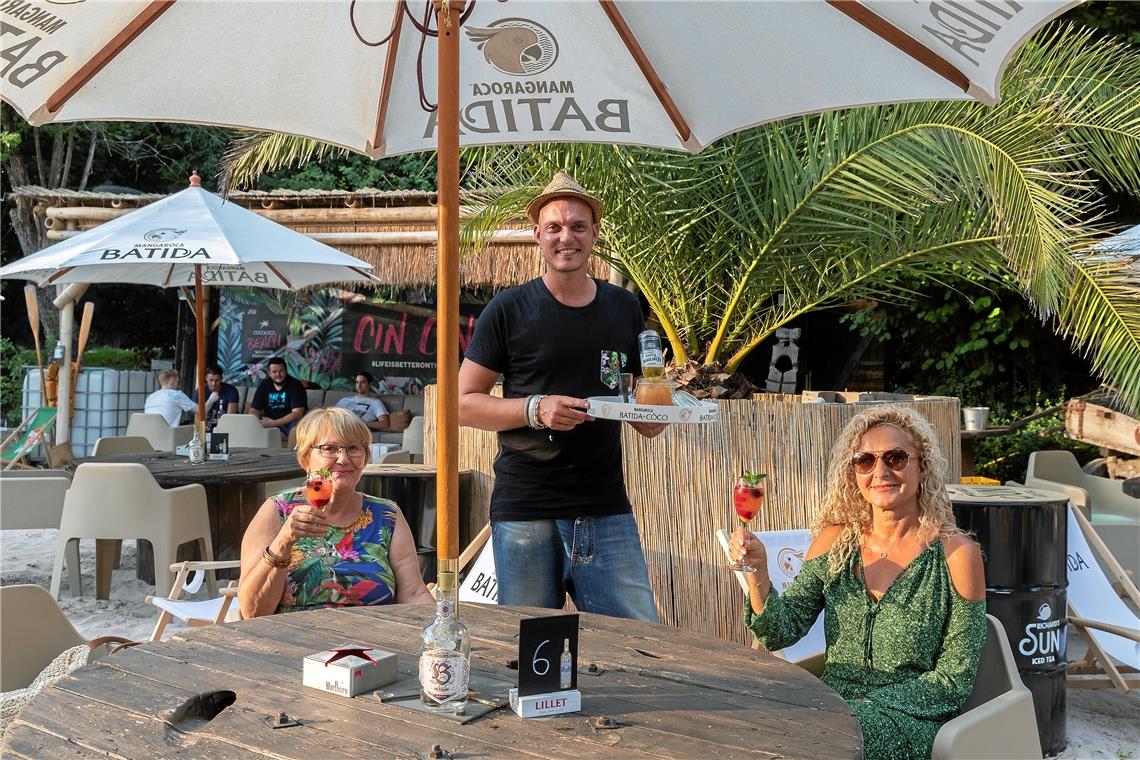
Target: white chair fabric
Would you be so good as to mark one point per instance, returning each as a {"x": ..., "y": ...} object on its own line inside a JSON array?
[
  {"x": 188, "y": 579},
  {"x": 245, "y": 431},
  {"x": 117, "y": 501},
  {"x": 786, "y": 550},
  {"x": 153, "y": 427},
  {"x": 1091, "y": 596},
  {"x": 121, "y": 444},
  {"x": 480, "y": 585}
]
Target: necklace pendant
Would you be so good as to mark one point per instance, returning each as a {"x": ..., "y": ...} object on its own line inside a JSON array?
[{"x": 882, "y": 555}]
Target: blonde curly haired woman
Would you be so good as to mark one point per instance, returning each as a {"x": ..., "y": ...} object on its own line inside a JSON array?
[{"x": 901, "y": 587}]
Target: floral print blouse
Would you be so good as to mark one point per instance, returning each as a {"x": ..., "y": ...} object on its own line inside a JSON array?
[{"x": 345, "y": 567}]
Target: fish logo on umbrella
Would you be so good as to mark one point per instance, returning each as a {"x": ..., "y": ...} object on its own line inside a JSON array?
[
  {"x": 163, "y": 234},
  {"x": 516, "y": 46}
]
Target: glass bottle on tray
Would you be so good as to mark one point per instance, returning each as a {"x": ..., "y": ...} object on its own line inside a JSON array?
[{"x": 445, "y": 651}]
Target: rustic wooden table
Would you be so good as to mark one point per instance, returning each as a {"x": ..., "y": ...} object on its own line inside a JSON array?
[
  {"x": 670, "y": 692},
  {"x": 233, "y": 489}
]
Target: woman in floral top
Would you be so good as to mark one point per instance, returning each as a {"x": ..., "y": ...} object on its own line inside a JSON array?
[{"x": 354, "y": 550}]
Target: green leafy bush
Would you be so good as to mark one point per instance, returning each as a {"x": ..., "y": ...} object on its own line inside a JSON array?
[
  {"x": 12, "y": 361},
  {"x": 117, "y": 358},
  {"x": 1006, "y": 457}
]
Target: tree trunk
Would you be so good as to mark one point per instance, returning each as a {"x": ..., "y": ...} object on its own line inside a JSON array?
[
  {"x": 56, "y": 159},
  {"x": 66, "y": 173},
  {"x": 90, "y": 158},
  {"x": 41, "y": 170}
]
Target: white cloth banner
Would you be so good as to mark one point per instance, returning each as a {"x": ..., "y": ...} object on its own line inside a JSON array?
[{"x": 1091, "y": 596}]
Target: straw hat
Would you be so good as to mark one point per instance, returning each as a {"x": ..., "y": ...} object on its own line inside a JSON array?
[{"x": 563, "y": 186}]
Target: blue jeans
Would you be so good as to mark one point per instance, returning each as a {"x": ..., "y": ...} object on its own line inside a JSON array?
[{"x": 597, "y": 560}]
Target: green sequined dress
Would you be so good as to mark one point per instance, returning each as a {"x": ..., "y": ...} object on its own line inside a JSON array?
[{"x": 905, "y": 664}]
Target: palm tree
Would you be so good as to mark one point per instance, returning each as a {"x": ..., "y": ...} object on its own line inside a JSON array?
[{"x": 792, "y": 216}]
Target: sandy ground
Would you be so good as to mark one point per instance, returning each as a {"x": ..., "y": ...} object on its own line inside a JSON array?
[{"x": 1101, "y": 723}]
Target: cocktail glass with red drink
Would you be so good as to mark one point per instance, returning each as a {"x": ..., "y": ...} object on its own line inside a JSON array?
[
  {"x": 318, "y": 488},
  {"x": 747, "y": 498}
]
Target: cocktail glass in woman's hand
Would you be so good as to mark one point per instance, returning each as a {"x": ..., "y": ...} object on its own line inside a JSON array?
[
  {"x": 747, "y": 498},
  {"x": 318, "y": 488}
]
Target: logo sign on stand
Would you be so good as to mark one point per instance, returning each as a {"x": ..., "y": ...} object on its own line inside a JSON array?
[{"x": 541, "y": 642}]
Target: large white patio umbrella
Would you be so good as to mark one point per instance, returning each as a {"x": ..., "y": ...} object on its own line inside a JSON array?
[
  {"x": 191, "y": 238},
  {"x": 364, "y": 74}
]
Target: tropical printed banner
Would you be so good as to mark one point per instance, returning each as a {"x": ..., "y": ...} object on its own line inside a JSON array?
[{"x": 327, "y": 336}]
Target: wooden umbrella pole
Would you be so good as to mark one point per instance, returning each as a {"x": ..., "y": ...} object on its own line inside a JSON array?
[
  {"x": 200, "y": 340},
  {"x": 447, "y": 298}
]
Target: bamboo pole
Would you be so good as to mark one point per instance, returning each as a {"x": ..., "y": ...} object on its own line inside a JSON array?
[
  {"x": 412, "y": 237},
  {"x": 374, "y": 214},
  {"x": 447, "y": 303}
]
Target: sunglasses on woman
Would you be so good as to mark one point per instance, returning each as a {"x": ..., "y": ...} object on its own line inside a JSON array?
[{"x": 895, "y": 459}]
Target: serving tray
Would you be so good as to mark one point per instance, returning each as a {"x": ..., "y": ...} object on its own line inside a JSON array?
[{"x": 613, "y": 408}]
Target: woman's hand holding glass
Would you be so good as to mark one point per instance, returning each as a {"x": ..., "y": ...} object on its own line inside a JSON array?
[
  {"x": 746, "y": 549},
  {"x": 305, "y": 521}
]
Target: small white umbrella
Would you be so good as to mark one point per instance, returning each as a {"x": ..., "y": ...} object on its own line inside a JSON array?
[{"x": 191, "y": 238}]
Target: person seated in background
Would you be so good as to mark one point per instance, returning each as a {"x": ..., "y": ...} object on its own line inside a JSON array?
[
  {"x": 355, "y": 550},
  {"x": 168, "y": 400},
  {"x": 902, "y": 589},
  {"x": 223, "y": 398},
  {"x": 279, "y": 400},
  {"x": 370, "y": 409}
]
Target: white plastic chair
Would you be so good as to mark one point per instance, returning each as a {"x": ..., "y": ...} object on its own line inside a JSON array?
[
  {"x": 786, "y": 550},
  {"x": 33, "y": 500},
  {"x": 34, "y": 632},
  {"x": 162, "y": 437},
  {"x": 245, "y": 431},
  {"x": 188, "y": 578},
  {"x": 413, "y": 441},
  {"x": 1114, "y": 515},
  {"x": 117, "y": 501},
  {"x": 399, "y": 456},
  {"x": 121, "y": 444},
  {"x": 997, "y": 721}
]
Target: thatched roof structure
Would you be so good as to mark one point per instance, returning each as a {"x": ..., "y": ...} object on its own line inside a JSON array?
[{"x": 393, "y": 230}]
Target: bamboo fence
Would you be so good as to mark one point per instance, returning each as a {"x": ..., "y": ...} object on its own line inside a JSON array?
[{"x": 680, "y": 487}]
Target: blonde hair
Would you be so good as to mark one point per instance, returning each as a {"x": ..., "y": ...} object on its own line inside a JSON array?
[
  {"x": 339, "y": 422},
  {"x": 844, "y": 505}
]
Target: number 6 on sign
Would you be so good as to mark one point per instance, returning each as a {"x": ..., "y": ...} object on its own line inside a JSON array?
[{"x": 540, "y": 640}]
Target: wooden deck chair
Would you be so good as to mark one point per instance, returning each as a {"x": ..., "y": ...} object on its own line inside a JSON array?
[
  {"x": 188, "y": 578},
  {"x": 1108, "y": 626},
  {"x": 33, "y": 431},
  {"x": 480, "y": 585},
  {"x": 786, "y": 550}
]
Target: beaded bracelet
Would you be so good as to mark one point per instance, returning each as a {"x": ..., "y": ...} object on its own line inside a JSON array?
[
  {"x": 273, "y": 560},
  {"x": 532, "y": 411}
]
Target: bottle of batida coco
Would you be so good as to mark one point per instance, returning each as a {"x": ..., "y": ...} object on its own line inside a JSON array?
[{"x": 445, "y": 649}]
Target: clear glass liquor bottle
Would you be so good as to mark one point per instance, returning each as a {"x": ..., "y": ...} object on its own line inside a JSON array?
[
  {"x": 652, "y": 357},
  {"x": 565, "y": 666},
  {"x": 445, "y": 651}
]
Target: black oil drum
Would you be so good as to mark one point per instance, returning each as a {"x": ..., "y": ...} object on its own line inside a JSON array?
[{"x": 1023, "y": 533}]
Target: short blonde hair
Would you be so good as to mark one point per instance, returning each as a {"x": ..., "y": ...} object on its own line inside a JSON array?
[
  {"x": 341, "y": 423},
  {"x": 166, "y": 375},
  {"x": 843, "y": 503}
]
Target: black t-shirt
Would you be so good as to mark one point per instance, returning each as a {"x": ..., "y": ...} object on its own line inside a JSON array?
[
  {"x": 542, "y": 346},
  {"x": 227, "y": 394},
  {"x": 275, "y": 403}
]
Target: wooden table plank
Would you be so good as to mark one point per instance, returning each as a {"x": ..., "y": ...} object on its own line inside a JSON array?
[{"x": 674, "y": 694}]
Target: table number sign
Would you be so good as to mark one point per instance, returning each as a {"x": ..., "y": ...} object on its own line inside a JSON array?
[
  {"x": 548, "y": 676},
  {"x": 219, "y": 447}
]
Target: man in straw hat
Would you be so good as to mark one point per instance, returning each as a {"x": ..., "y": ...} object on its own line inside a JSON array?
[{"x": 562, "y": 520}]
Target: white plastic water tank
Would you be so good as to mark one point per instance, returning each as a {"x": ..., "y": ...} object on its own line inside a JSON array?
[{"x": 104, "y": 401}]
